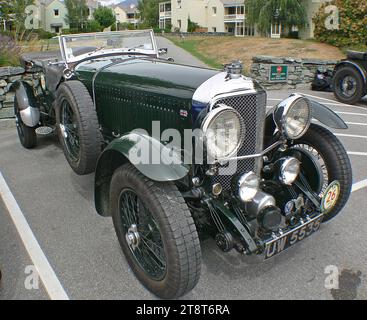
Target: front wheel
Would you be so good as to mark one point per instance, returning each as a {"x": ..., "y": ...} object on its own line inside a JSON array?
[
  {"x": 332, "y": 159},
  {"x": 156, "y": 232}
]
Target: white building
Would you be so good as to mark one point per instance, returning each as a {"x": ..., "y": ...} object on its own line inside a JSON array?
[
  {"x": 212, "y": 15},
  {"x": 127, "y": 14},
  {"x": 222, "y": 16}
]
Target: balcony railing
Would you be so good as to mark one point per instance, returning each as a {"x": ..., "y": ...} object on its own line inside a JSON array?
[
  {"x": 133, "y": 20},
  {"x": 165, "y": 14},
  {"x": 232, "y": 17}
]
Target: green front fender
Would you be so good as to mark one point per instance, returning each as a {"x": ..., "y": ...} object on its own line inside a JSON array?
[{"x": 136, "y": 148}]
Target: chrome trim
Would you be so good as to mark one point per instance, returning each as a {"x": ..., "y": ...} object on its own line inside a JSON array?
[
  {"x": 219, "y": 86},
  {"x": 282, "y": 109},
  {"x": 285, "y": 163},
  {"x": 242, "y": 183},
  {"x": 30, "y": 116},
  {"x": 68, "y": 60},
  {"x": 215, "y": 113},
  {"x": 260, "y": 201},
  {"x": 249, "y": 156}
]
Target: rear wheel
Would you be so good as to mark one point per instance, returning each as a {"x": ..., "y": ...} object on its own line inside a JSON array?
[
  {"x": 332, "y": 159},
  {"x": 156, "y": 232},
  {"x": 348, "y": 85},
  {"x": 27, "y": 135},
  {"x": 78, "y": 127}
]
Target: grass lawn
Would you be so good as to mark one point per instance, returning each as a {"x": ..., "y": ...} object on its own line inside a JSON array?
[{"x": 215, "y": 51}]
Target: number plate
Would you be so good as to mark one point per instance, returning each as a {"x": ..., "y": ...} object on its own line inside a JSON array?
[{"x": 283, "y": 242}]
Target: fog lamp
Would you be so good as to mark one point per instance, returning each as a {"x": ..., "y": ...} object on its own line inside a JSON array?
[
  {"x": 248, "y": 185},
  {"x": 289, "y": 170}
]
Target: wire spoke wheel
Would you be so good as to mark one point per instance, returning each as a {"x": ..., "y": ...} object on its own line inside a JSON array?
[
  {"x": 156, "y": 232},
  {"x": 69, "y": 131},
  {"x": 142, "y": 235},
  {"x": 348, "y": 86},
  {"x": 325, "y": 161},
  {"x": 320, "y": 160}
]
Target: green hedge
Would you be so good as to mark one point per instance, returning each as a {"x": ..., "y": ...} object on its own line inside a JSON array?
[{"x": 352, "y": 24}]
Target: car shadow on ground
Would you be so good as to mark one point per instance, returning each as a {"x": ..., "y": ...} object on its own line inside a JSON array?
[{"x": 235, "y": 265}]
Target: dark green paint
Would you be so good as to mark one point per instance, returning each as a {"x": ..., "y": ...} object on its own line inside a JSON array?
[
  {"x": 131, "y": 144},
  {"x": 131, "y": 94},
  {"x": 235, "y": 224}
]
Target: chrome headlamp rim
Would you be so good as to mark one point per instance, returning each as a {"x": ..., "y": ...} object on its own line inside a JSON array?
[
  {"x": 241, "y": 185},
  {"x": 284, "y": 170},
  {"x": 215, "y": 113},
  {"x": 282, "y": 110}
]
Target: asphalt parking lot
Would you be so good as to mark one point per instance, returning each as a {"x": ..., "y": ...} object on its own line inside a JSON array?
[{"x": 49, "y": 215}]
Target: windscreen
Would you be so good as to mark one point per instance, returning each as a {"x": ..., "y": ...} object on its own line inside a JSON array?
[{"x": 90, "y": 43}]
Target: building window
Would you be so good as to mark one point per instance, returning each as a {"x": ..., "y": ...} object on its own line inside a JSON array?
[
  {"x": 56, "y": 12},
  {"x": 179, "y": 4},
  {"x": 214, "y": 10}
]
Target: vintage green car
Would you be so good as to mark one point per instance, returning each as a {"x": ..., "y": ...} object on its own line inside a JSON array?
[{"x": 181, "y": 151}]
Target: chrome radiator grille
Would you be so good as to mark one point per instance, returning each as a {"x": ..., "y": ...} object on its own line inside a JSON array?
[{"x": 252, "y": 108}]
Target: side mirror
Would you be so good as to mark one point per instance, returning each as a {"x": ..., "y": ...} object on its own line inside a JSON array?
[{"x": 162, "y": 51}]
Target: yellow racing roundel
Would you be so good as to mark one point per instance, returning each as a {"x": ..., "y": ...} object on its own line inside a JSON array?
[{"x": 330, "y": 197}]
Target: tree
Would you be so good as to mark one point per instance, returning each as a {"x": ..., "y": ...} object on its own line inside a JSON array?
[
  {"x": 78, "y": 13},
  {"x": 149, "y": 13},
  {"x": 16, "y": 12},
  {"x": 191, "y": 26},
  {"x": 264, "y": 13},
  {"x": 104, "y": 16},
  {"x": 342, "y": 23}
]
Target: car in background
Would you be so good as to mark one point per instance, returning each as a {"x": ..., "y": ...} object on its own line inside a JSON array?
[{"x": 350, "y": 78}]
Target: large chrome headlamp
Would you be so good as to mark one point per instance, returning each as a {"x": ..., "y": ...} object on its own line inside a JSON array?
[
  {"x": 223, "y": 130},
  {"x": 293, "y": 116}
]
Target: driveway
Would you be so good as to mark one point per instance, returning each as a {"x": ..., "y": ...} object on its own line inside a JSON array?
[{"x": 180, "y": 55}]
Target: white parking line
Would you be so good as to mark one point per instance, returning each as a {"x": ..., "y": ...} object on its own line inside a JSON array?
[
  {"x": 335, "y": 103},
  {"x": 356, "y": 123},
  {"x": 350, "y": 135},
  {"x": 44, "y": 269},
  {"x": 359, "y": 185},
  {"x": 352, "y": 113},
  {"x": 331, "y": 102},
  {"x": 356, "y": 153}
]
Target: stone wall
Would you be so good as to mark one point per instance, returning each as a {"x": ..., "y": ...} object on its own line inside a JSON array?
[{"x": 301, "y": 72}]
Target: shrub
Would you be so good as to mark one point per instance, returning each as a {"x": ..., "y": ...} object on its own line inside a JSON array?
[
  {"x": 191, "y": 26},
  {"x": 352, "y": 23},
  {"x": 9, "y": 51},
  {"x": 126, "y": 26},
  {"x": 93, "y": 26}
]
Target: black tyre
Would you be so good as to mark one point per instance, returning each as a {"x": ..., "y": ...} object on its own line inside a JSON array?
[
  {"x": 328, "y": 151},
  {"x": 156, "y": 232},
  {"x": 348, "y": 85},
  {"x": 27, "y": 135},
  {"x": 77, "y": 126}
]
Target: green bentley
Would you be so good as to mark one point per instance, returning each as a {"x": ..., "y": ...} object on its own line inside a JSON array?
[{"x": 181, "y": 152}]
